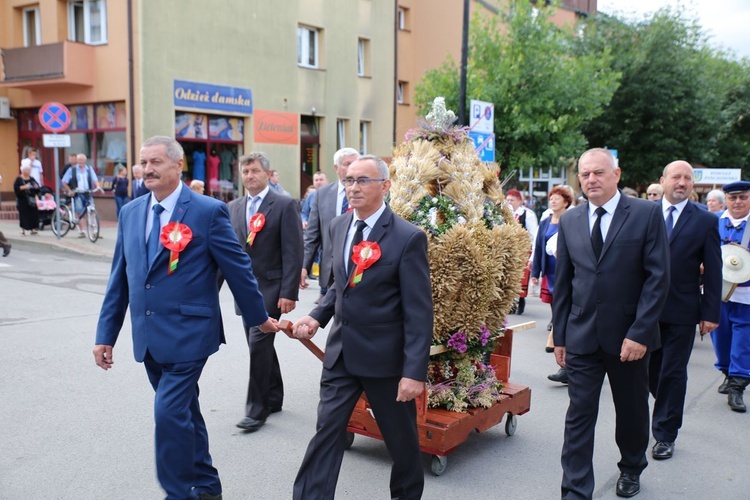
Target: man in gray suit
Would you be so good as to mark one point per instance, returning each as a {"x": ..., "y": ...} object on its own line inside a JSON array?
[
  {"x": 611, "y": 282},
  {"x": 381, "y": 306},
  {"x": 330, "y": 201},
  {"x": 268, "y": 226}
]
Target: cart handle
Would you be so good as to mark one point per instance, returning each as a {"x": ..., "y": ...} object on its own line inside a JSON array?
[{"x": 286, "y": 326}]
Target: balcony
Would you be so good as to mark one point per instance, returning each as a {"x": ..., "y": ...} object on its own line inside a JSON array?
[{"x": 64, "y": 63}]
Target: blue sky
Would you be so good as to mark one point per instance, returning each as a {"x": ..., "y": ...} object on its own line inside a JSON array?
[{"x": 726, "y": 21}]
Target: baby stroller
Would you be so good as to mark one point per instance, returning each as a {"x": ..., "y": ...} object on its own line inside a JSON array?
[{"x": 46, "y": 206}]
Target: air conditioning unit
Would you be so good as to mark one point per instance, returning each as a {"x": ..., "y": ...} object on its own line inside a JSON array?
[{"x": 4, "y": 108}]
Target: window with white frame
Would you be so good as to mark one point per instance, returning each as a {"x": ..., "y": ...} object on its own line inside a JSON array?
[
  {"x": 402, "y": 95},
  {"x": 364, "y": 137},
  {"x": 363, "y": 57},
  {"x": 87, "y": 21},
  {"x": 307, "y": 46},
  {"x": 403, "y": 18},
  {"x": 341, "y": 133},
  {"x": 32, "y": 27}
]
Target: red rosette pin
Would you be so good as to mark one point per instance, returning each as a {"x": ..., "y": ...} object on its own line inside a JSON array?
[
  {"x": 257, "y": 222},
  {"x": 364, "y": 255},
  {"x": 175, "y": 237}
]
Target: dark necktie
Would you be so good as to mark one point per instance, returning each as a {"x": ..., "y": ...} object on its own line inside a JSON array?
[
  {"x": 344, "y": 204},
  {"x": 153, "y": 238},
  {"x": 596, "y": 234},
  {"x": 669, "y": 221},
  {"x": 358, "y": 236}
]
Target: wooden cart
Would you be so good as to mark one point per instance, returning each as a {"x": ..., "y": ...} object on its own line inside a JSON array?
[{"x": 441, "y": 431}]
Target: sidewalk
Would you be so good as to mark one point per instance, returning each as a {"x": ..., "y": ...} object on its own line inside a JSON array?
[{"x": 103, "y": 248}]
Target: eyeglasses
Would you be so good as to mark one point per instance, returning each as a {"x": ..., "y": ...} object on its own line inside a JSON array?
[
  {"x": 362, "y": 181},
  {"x": 735, "y": 197}
]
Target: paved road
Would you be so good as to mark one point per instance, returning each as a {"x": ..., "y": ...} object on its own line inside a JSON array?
[{"x": 68, "y": 430}]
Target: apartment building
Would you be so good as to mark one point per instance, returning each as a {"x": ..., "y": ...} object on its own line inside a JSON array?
[{"x": 224, "y": 78}]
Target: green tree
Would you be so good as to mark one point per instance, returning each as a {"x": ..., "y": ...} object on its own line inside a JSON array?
[
  {"x": 674, "y": 99},
  {"x": 543, "y": 88}
]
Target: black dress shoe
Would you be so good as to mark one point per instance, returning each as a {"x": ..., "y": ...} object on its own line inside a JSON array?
[
  {"x": 662, "y": 450},
  {"x": 6, "y": 251},
  {"x": 521, "y": 305},
  {"x": 250, "y": 424},
  {"x": 629, "y": 485},
  {"x": 274, "y": 409},
  {"x": 561, "y": 376}
]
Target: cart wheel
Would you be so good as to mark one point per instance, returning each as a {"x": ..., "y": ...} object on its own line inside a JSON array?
[
  {"x": 511, "y": 422},
  {"x": 349, "y": 440},
  {"x": 439, "y": 464}
]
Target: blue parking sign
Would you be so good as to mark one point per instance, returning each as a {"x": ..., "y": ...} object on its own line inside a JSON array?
[{"x": 484, "y": 145}]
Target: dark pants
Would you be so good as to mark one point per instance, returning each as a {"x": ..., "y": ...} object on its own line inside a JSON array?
[
  {"x": 629, "y": 384},
  {"x": 265, "y": 387},
  {"x": 339, "y": 392},
  {"x": 668, "y": 379},
  {"x": 183, "y": 463},
  {"x": 120, "y": 201}
]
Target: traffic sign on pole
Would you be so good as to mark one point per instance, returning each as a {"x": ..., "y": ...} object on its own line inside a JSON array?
[
  {"x": 54, "y": 117},
  {"x": 482, "y": 117},
  {"x": 484, "y": 145},
  {"x": 56, "y": 140}
]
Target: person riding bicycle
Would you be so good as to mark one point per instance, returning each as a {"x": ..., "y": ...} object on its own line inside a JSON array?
[{"x": 78, "y": 182}]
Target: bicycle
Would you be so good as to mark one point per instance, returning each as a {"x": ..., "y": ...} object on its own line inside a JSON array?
[{"x": 65, "y": 218}]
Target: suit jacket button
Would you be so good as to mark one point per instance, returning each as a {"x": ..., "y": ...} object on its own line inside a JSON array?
[
  {"x": 346, "y": 295},
  {"x": 148, "y": 287},
  {"x": 148, "y": 313},
  {"x": 345, "y": 322}
]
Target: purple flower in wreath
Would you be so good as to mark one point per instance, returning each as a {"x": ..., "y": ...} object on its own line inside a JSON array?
[
  {"x": 458, "y": 342},
  {"x": 484, "y": 335}
]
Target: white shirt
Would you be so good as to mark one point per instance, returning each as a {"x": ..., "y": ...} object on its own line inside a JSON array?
[
  {"x": 249, "y": 204},
  {"x": 36, "y": 171},
  {"x": 610, "y": 207},
  {"x": 370, "y": 221},
  {"x": 340, "y": 195},
  {"x": 679, "y": 207},
  {"x": 168, "y": 203}
]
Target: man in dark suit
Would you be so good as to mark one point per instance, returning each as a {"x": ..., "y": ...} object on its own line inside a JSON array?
[
  {"x": 610, "y": 286},
  {"x": 174, "y": 308},
  {"x": 275, "y": 249},
  {"x": 329, "y": 202},
  {"x": 693, "y": 241},
  {"x": 139, "y": 185},
  {"x": 381, "y": 305}
]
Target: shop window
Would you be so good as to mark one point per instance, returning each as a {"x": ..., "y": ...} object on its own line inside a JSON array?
[
  {"x": 364, "y": 137},
  {"x": 32, "y": 27},
  {"x": 363, "y": 57},
  {"x": 307, "y": 46},
  {"x": 341, "y": 126},
  {"x": 87, "y": 21}
]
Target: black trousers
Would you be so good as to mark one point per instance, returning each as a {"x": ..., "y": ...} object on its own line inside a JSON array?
[
  {"x": 629, "y": 384},
  {"x": 668, "y": 379},
  {"x": 339, "y": 392},
  {"x": 265, "y": 387}
]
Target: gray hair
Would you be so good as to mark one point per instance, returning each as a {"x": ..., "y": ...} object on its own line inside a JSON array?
[
  {"x": 338, "y": 156},
  {"x": 380, "y": 163},
  {"x": 137, "y": 168},
  {"x": 260, "y": 158},
  {"x": 604, "y": 152},
  {"x": 718, "y": 194},
  {"x": 171, "y": 147}
]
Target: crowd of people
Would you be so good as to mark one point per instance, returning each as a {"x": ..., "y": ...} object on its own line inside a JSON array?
[{"x": 665, "y": 257}]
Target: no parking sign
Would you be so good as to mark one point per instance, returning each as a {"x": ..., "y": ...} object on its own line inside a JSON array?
[{"x": 54, "y": 117}]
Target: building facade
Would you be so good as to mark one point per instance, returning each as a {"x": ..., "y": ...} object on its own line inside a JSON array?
[{"x": 224, "y": 78}]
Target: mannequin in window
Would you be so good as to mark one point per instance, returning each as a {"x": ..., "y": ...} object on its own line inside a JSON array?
[
  {"x": 213, "y": 172},
  {"x": 199, "y": 165}
]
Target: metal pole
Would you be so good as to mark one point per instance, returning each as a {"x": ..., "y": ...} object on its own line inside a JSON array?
[
  {"x": 57, "y": 220},
  {"x": 464, "y": 61}
]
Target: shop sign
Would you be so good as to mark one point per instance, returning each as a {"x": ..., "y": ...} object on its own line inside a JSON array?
[
  {"x": 718, "y": 176},
  {"x": 276, "y": 127},
  {"x": 212, "y": 97}
]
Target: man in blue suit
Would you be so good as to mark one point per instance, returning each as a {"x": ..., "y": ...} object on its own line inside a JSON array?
[
  {"x": 693, "y": 241},
  {"x": 611, "y": 282},
  {"x": 139, "y": 184},
  {"x": 174, "y": 309}
]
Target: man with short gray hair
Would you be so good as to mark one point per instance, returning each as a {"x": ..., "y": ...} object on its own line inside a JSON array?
[{"x": 330, "y": 201}]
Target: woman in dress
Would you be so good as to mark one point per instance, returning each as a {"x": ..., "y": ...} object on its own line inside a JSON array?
[
  {"x": 544, "y": 261},
  {"x": 27, "y": 192}
]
